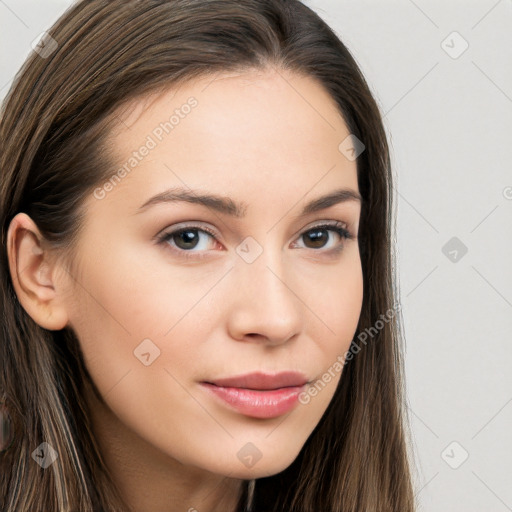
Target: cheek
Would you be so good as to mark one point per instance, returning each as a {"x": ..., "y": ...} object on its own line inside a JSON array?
[
  {"x": 338, "y": 306},
  {"x": 337, "y": 302},
  {"x": 131, "y": 317},
  {"x": 113, "y": 313}
]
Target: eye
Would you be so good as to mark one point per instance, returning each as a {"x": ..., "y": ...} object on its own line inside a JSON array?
[
  {"x": 187, "y": 238},
  {"x": 182, "y": 241},
  {"x": 318, "y": 236}
]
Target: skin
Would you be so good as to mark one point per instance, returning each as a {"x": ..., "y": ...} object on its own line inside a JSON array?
[{"x": 269, "y": 139}]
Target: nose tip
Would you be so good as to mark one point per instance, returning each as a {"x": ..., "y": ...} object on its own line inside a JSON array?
[{"x": 265, "y": 308}]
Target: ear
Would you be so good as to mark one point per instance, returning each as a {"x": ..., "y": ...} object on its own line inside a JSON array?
[{"x": 34, "y": 274}]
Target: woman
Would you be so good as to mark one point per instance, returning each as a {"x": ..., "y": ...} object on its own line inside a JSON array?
[{"x": 199, "y": 305}]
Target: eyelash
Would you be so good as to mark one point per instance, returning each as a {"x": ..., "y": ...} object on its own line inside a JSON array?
[{"x": 336, "y": 227}]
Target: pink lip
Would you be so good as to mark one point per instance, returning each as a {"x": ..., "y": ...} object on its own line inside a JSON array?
[{"x": 259, "y": 395}]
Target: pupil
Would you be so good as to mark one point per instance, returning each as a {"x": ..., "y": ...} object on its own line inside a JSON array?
[
  {"x": 318, "y": 237},
  {"x": 188, "y": 237}
]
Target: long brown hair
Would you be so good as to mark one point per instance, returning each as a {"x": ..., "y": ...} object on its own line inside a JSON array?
[{"x": 53, "y": 123}]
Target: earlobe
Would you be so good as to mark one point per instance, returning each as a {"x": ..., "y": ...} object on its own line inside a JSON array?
[{"x": 32, "y": 273}]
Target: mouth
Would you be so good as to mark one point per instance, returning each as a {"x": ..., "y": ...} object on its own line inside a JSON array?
[
  {"x": 262, "y": 381},
  {"x": 259, "y": 395}
]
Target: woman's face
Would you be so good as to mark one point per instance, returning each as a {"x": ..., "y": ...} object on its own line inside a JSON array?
[{"x": 158, "y": 315}]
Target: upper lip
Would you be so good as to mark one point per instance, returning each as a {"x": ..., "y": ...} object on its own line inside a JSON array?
[{"x": 263, "y": 381}]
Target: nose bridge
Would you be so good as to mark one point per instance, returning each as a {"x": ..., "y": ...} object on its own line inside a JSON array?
[{"x": 266, "y": 300}]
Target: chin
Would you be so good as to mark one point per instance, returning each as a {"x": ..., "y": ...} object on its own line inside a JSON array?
[{"x": 251, "y": 464}]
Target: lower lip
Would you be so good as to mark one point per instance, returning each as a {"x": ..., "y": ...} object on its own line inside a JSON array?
[{"x": 258, "y": 404}]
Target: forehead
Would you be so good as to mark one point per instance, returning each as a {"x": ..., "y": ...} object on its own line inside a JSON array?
[
  {"x": 251, "y": 135},
  {"x": 256, "y": 108}
]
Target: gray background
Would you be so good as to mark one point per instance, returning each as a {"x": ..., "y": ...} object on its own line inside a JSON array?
[{"x": 448, "y": 113}]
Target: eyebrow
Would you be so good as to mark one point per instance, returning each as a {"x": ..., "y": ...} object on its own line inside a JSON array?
[{"x": 229, "y": 207}]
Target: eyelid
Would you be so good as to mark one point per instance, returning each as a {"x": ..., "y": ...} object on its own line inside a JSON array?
[
  {"x": 319, "y": 223},
  {"x": 183, "y": 226}
]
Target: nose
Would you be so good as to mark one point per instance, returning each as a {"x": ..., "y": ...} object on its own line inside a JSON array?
[{"x": 264, "y": 306}]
